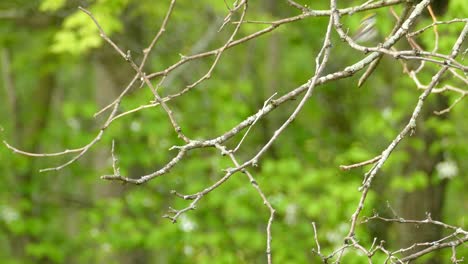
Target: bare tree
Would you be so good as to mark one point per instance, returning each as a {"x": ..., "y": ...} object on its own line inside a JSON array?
[{"x": 447, "y": 64}]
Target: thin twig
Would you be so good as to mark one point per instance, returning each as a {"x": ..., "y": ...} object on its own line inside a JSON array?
[{"x": 360, "y": 164}]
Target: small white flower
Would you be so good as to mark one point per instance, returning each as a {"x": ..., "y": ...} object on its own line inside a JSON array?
[
  {"x": 135, "y": 126},
  {"x": 186, "y": 224},
  {"x": 447, "y": 169},
  {"x": 8, "y": 214},
  {"x": 387, "y": 113},
  {"x": 291, "y": 214},
  {"x": 74, "y": 124},
  {"x": 188, "y": 250}
]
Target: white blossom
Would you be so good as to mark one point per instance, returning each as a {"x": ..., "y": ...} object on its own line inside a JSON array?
[{"x": 447, "y": 169}]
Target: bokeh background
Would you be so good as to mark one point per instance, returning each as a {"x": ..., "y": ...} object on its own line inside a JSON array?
[{"x": 57, "y": 72}]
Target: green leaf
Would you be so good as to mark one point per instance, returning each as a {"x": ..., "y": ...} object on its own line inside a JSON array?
[{"x": 51, "y": 5}]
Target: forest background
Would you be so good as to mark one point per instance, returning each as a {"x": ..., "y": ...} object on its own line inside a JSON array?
[{"x": 57, "y": 72}]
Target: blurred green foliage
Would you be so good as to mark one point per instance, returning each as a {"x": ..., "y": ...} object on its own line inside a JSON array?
[{"x": 71, "y": 216}]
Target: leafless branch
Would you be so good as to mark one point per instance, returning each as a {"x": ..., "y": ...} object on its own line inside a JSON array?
[{"x": 444, "y": 63}]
